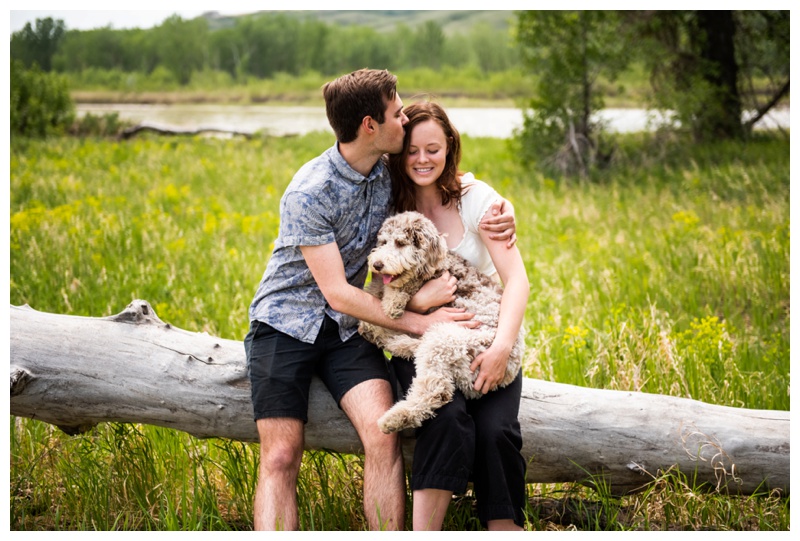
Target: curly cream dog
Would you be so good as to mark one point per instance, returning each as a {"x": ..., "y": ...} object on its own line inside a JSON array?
[{"x": 409, "y": 252}]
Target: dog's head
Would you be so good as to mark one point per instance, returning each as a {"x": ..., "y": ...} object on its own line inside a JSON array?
[{"x": 409, "y": 246}]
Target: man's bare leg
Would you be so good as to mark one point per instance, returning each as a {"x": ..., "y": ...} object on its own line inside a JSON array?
[
  {"x": 275, "y": 505},
  {"x": 384, "y": 480}
]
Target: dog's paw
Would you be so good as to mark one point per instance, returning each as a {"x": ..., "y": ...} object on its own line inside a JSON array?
[
  {"x": 387, "y": 426},
  {"x": 370, "y": 333},
  {"x": 394, "y": 304},
  {"x": 395, "y": 420},
  {"x": 392, "y": 309}
]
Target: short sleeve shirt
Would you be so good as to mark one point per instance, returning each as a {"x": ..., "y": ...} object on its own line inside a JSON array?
[
  {"x": 326, "y": 201},
  {"x": 478, "y": 197}
]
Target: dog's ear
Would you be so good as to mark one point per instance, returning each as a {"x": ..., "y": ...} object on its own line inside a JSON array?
[
  {"x": 441, "y": 245},
  {"x": 430, "y": 243},
  {"x": 424, "y": 234},
  {"x": 417, "y": 235},
  {"x": 410, "y": 233}
]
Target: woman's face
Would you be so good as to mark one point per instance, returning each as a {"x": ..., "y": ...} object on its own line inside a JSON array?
[{"x": 427, "y": 153}]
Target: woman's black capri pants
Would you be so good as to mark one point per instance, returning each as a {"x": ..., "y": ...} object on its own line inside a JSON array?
[{"x": 478, "y": 440}]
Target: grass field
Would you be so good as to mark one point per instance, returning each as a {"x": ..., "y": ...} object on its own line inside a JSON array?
[{"x": 670, "y": 275}]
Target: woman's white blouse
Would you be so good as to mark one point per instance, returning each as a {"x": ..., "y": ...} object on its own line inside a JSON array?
[{"x": 475, "y": 202}]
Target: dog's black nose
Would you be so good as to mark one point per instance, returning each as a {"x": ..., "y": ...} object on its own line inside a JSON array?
[{"x": 377, "y": 265}]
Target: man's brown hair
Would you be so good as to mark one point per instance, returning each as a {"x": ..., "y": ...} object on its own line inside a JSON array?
[{"x": 351, "y": 97}]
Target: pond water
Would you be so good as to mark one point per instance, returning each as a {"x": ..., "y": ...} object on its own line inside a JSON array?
[{"x": 290, "y": 120}]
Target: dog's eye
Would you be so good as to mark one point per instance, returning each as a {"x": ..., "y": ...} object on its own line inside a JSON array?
[{"x": 400, "y": 243}]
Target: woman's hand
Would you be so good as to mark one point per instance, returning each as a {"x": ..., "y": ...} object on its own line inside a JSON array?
[
  {"x": 434, "y": 293},
  {"x": 493, "y": 363}
]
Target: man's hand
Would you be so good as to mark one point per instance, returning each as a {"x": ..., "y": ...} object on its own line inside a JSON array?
[
  {"x": 501, "y": 222},
  {"x": 434, "y": 293}
]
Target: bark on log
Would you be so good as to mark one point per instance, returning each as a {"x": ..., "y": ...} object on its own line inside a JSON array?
[
  {"x": 75, "y": 372},
  {"x": 128, "y": 133}
]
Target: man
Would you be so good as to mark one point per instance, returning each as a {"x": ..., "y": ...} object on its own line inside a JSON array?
[{"x": 305, "y": 313}]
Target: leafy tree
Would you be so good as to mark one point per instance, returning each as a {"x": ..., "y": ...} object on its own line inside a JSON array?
[
  {"x": 227, "y": 52},
  {"x": 706, "y": 68},
  {"x": 264, "y": 45},
  {"x": 102, "y": 48},
  {"x": 40, "y": 102},
  {"x": 428, "y": 45},
  {"x": 762, "y": 51},
  {"x": 402, "y": 40},
  {"x": 354, "y": 47},
  {"x": 38, "y": 45},
  {"x": 567, "y": 51},
  {"x": 312, "y": 50},
  {"x": 704, "y": 64},
  {"x": 142, "y": 50},
  {"x": 459, "y": 51},
  {"x": 492, "y": 49},
  {"x": 181, "y": 46}
]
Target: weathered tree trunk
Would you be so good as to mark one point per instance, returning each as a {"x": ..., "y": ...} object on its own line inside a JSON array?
[
  {"x": 75, "y": 372},
  {"x": 128, "y": 133},
  {"x": 720, "y": 70}
]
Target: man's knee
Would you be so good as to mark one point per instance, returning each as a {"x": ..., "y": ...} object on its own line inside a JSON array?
[
  {"x": 281, "y": 444},
  {"x": 383, "y": 446},
  {"x": 281, "y": 458}
]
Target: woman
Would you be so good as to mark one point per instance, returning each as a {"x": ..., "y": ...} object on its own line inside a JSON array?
[{"x": 468, "y": 439}]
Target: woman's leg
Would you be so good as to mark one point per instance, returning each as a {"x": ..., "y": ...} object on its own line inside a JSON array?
[
  {"x": 443, "y": 456},
  {"x": 499, "y": 470},
  {"x": 430, "y": 508}
]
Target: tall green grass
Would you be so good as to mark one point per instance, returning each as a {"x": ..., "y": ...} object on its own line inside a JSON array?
[{"x": 669, "y": 274}]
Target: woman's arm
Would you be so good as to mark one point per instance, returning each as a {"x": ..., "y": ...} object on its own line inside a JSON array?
[
  {"x": 511, "y": 268},
  {"x": 500, "y": 222}
]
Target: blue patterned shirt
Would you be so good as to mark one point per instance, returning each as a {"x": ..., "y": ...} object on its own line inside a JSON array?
[{"x": 326, "y": 201}]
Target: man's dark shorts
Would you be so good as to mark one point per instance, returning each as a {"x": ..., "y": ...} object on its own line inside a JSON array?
[{"x": 281, "y": 367}]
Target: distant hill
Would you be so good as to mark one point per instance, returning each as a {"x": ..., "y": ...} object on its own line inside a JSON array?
[{"x": 451, "y": 21}]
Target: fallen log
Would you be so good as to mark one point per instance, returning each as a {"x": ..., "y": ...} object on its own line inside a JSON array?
[
  {"x": 128, "y": 133},
  {"x": 75, "y": 372}
]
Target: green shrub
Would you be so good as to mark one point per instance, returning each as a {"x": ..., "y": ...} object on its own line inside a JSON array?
[
  {"x": 106, "y": 125},
  {"x": 40, "y": 102}
]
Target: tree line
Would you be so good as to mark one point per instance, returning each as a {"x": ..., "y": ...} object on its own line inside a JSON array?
[
  {"x": 260, "y": 46},
  {"x": 714, "y": 72}
]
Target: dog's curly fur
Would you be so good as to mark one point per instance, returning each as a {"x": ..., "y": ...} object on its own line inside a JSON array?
[{"x": 409, "y": 252}]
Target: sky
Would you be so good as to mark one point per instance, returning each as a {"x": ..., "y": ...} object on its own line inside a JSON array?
[{"x": 88, "y": 19}]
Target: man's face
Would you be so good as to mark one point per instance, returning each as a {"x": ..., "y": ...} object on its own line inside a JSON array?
[{"x": 390, "y": 133}]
